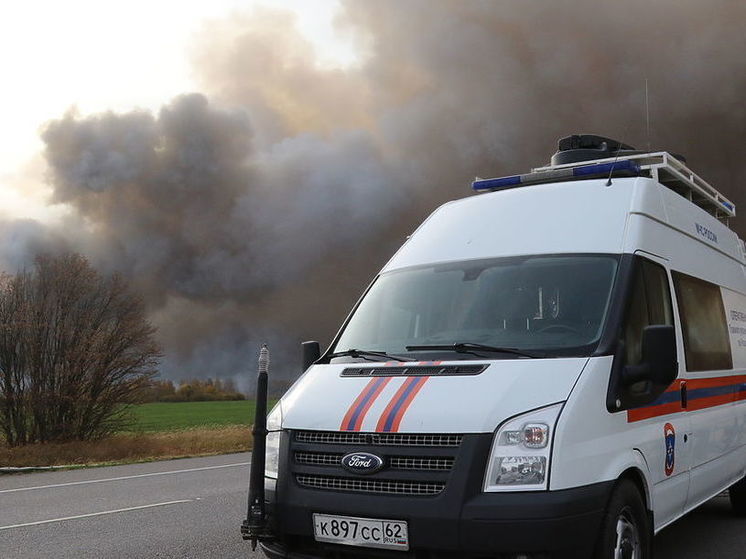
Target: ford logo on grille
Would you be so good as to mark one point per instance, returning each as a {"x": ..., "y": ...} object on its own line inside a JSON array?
[{"x": 362, "y": 463}]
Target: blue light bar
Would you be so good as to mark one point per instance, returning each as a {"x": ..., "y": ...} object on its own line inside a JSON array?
[
  {"x": 626, "y": 165},
  {"x": 496, "y": 184},
  {"x": 728, "y": 205}
]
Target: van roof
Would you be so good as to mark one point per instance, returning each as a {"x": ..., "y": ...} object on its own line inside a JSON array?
[
  {"x": 556, "y": 216},
  {"x": 662, "y": 167}
]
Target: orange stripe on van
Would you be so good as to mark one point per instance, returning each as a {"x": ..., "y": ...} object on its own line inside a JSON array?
[
  {"x": 397, "y": 406},
  {"x": 702, "y": 393},
  {"x": 353, "y": 419}
]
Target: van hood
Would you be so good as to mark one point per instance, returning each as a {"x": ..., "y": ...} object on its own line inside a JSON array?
[{"x": 324, "y": 400}]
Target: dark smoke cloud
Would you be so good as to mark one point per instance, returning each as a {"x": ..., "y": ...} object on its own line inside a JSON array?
[
  {"x": 487, "y": 87},
  {"x": 260, "y": 209},
  {"x": 209, "y": 227}
]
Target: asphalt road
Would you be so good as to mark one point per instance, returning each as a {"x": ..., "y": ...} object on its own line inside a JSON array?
[
  {"x": 193, "y": 508},
  {"x": 189, "y": 508}
]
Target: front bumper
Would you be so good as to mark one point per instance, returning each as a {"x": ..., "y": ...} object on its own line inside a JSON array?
[
  {"x": 461, "y": 522},
  {"x": 554, "y": 523}
]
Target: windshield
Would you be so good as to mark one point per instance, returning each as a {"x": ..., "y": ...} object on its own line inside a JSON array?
[{"x": 555, "y": 305}]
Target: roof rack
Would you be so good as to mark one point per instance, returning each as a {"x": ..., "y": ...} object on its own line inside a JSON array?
[{"x": 670, "y": 172}]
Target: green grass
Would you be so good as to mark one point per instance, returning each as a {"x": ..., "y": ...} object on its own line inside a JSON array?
[{"x": 167, "y": 416}]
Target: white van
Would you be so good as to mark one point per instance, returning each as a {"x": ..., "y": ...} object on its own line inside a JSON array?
[{"x": 555, "y": 367}]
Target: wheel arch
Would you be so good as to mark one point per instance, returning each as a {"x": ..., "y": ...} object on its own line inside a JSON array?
[
  {"x": 631, "y": 481},
  {"x": 635, "y": 475}
]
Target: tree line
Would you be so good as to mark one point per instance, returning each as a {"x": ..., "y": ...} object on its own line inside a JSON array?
[{"x": 193, "y": 390}]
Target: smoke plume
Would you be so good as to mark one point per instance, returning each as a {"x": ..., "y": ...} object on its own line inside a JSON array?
[{"x": 260, "y": 207}]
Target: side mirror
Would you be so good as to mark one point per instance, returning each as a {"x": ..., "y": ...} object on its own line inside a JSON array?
[
  {"x": 311, "y": 353},
  {"x": 659, "y": 362}
]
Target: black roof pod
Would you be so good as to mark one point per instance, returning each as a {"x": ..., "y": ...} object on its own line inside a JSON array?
[{"x": 587, "y": 147}]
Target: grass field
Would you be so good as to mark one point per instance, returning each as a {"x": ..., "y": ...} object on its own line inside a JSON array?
[
  {"x": 130, "y": 447},
  {"x": 158, "y": 431},
  {"x": 161, "y": 416}
]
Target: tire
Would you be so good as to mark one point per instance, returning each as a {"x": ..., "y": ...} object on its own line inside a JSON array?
[
  {"x": 737, "y": 494},
  {"x": 625, "y": 529}
]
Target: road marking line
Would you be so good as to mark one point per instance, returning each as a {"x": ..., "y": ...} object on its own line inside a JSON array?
[
  {"x": 122, "y": 477},
  {"x": 93, "y": 514}
]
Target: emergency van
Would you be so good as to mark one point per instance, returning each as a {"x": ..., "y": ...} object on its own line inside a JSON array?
[{"x": 554, "y": 367}]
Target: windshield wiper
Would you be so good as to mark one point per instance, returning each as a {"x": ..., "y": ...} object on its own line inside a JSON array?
[
  {"x": 364, "y": 354},
  {"x": 469, "y": 347}
]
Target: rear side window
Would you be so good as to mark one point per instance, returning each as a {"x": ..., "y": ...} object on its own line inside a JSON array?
[{"x": 703, "y": 324}]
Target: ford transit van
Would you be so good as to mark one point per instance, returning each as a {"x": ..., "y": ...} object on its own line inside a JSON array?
[{"x": 552, "y": 367}]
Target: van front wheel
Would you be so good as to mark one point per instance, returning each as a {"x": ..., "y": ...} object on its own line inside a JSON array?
[
  {"x": 737, "y": 494},
  {"x": 625, "y": 533}
]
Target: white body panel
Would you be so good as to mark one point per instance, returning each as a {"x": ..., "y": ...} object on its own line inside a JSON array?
[
  {"x": 594, "y": 445},
  {"x": 459, "y": 404},
  {"x": 582, "y": 216}
]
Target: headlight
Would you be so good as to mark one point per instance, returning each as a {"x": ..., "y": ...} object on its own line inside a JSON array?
[
  {"x": 272, "y": 456},
  {"x": 519, "y": 460}
]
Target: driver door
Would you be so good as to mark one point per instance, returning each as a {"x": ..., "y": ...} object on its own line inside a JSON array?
[{"x": 662, "y": 426}]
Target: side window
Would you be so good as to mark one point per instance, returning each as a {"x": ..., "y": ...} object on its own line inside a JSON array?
[
  {"x": 650, "y": 305},
  {"x": 703, "y": 324}
]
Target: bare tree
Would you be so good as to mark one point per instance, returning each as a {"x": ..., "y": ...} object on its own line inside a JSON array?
[{"x": 75, "y": 348}]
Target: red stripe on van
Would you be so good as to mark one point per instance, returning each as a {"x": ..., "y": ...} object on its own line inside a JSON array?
[
  {"x": 392, "y": 403},
  {"x": 376, "y": 393},
  {"x": 418, "y": 384},
  {"x": 711, "y": 402},
  {"x": 638, "y": 414},
  {"x": 695, "y": 401},
  {"x": 366, "y": 398}
]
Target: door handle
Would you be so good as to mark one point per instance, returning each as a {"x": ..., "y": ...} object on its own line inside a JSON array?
[{"x": 682, "y": 389}]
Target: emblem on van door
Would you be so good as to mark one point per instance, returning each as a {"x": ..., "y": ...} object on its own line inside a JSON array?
[
  {"x": 669, "y": 435},
  {"x": 362, "y": 463}
]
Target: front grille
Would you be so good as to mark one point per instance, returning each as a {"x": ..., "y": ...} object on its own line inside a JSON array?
[
  {"x": 422, "y": 464},
  {"x": 386, "y": 487},
  {"x": 415, "y": 463},
  {"x": 318, "y": 458},
  {"x": 379, "y": 439}
]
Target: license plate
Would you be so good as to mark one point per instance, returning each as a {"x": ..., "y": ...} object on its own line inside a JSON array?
[{"x": 364, "y": 532}]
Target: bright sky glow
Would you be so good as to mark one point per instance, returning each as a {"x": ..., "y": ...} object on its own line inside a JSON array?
[{"x": 98, "y": 56}]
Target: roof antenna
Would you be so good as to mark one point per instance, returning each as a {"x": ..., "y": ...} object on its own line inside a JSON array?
[
  {"x": 647, "y": 113},
  {"x": 618, "y": 149}
]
